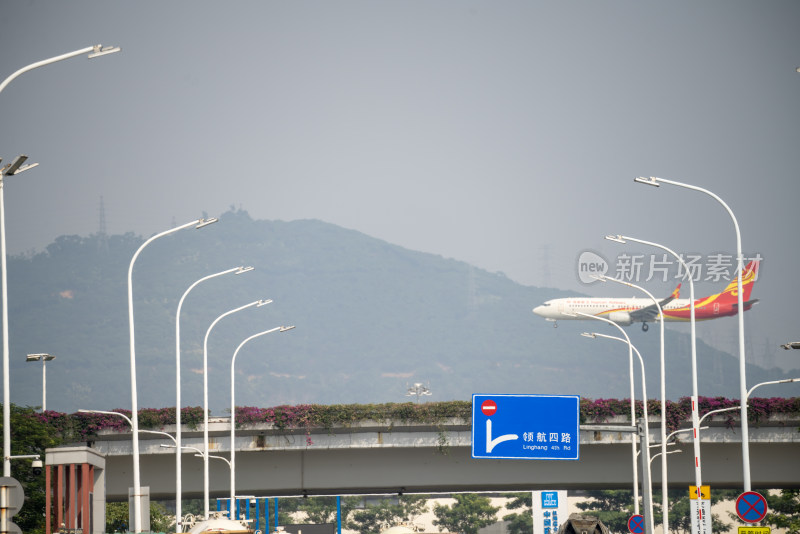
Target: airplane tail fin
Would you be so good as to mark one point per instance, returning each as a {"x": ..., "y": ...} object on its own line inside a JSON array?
[
  {"x": 749, "y": 275},
  {"x": 677, "y": 292}
]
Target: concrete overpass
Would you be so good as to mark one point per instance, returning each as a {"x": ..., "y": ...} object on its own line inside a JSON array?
[{"x": 376, "y": 457}]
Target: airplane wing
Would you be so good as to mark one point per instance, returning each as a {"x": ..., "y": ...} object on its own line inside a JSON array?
[
  {"x": 649, "y": 313},
  {"x": 747, "y": 304}
]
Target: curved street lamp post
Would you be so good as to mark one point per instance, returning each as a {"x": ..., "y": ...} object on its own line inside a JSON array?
[
  {"x": 13, "y": 168},
  {"x": 695, "y": 421},
  {"x": 137, "y": 490},
  {"x": 178, "y": 474},
  {"x": 664, "y": 485},
  {"x": 257, "y": 303},
  {"x": 647, "y": 484},
  {"x": 631, "y": 348},
  {"x": 233, "y": 407},
  {"x": 16, "y": 167},
  {"x": 742, "y": 364}
]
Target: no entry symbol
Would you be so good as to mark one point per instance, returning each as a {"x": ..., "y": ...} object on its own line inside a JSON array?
[{"x": 489, "y": 407}]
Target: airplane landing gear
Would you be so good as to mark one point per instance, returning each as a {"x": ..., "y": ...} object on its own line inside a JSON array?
[{"x": 645, "y": 327}]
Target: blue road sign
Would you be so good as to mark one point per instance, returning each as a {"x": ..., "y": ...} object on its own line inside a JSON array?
[
  {"x": 549, "y": 499},
  {"x": 751, "y": 507},
  {"x": 527, "y": 427},
  {"x": 636, "y": 524}
]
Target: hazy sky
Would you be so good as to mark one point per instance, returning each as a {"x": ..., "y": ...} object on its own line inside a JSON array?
[{"x": 505, "y": 134}]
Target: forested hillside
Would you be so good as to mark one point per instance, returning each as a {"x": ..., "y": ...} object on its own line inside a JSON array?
[{"x": 370, "y": 319}]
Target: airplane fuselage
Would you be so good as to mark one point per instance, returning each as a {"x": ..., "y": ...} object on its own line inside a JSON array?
[
  {"x": 625, "y": 311},
  {"x": 619, "y": 309}
]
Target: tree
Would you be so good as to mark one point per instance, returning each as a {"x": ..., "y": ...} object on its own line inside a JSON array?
[
  {"x": 612, "y": 507},
  {"x": 117, "y": 515},
  {"x": 680, "y": 511},
  {"x": 786, "y": 514},
  {"x": 321, "y": 510},
  {"x": 467, "y": 515},
  {"x": 520, "y": 523},
  {"x": 287, "y": 507},
  {"x": 29, "y": 435},
  {"x": 375, "y": 518}
]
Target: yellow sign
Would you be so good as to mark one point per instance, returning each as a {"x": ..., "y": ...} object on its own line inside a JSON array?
[
  {"x": 754, "y": 530},
  {"x": 704, "y": 494}
]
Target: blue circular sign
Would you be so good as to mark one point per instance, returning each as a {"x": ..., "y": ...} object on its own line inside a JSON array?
[
  {"x": 751, "y": 507},
  {"x": 636, "y": 524}
]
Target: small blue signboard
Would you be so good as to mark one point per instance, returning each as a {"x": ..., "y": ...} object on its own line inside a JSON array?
[
  {"x": 526, "y": 427},
  {"x": 751, "y": 507},
  {"x": 549, "y": 499},
  {"x": 636, "y": 524}
]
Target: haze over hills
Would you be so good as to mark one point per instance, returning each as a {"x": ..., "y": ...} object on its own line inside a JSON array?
[{"x": 371, "y": 318}]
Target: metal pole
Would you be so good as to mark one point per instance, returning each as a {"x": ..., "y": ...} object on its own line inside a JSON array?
[
  {"x": 178, "y": 484},
  {"x": 205, "y": 403},
  {"x": 6, "y": 387},
  {"x": 693, "y": 334},
  {"x": 338, "y": 514},
  {"x": 646, "y": 475},
  {"x": 44, "y": 385},
  {"x": 233, "y": 407},
  {"x": 6, "y": 381},
  {"x": 664, "y": 485},
  {"x": 137, "y": 506},
  {"x": 740, "y": 312},
  {"x": 647, "y": 483}
]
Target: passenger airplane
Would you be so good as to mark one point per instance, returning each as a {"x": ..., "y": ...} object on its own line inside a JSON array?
[{"x": 626, "y": 311}]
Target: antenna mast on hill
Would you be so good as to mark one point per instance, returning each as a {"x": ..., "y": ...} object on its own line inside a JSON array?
[
  {"x": 102, "y": 229},
  {"x": 102, "y": 241}
]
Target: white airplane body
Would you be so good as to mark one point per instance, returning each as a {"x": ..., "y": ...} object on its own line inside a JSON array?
[{"x": 626, "y": 311}]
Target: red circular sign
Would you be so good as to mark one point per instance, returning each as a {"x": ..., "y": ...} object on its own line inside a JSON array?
[
  {"x": 751, "y": 507},
  {"x": 489, "y": 407},
  {"x": 636, "y": 524}
]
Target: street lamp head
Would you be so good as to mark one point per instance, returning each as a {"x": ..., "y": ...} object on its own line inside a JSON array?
[
  {"x": 37, "y": 357},
  {"x": 589, "y": 334},
  {"x": 263, "y": 302},
  {"x": 649, "y": 181},
  {"x": 244, "y": 269},
  {"x": 286, "y": 328},
  {"x": 600, "y": 277},
  {"x": 791, "y": 345},
  {"x": 616, "y": 238},
  {"x": 11, "y": 168},
  {"x": 16, "y": 166},
  {"x": 100, "y": 50},
  {"x": 205, "y": 222}
]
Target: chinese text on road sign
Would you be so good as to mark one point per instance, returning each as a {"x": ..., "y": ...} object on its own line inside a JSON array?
[{"x": 530, "y": 427}]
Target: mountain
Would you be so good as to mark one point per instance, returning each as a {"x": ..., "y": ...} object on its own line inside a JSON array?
[{"x": 371, "y": 318}]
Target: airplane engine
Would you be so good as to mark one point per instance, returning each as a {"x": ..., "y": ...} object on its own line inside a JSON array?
[{"x": 621, "y": 318}]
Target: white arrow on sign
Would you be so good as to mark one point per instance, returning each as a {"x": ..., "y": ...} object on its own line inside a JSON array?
[{"x": 491, "y": 443}]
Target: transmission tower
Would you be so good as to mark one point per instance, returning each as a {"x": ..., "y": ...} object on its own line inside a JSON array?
[{"x": 102, "y": 241}]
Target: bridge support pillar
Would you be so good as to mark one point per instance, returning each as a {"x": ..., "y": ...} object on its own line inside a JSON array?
[{"x": 75, "y": 490}]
